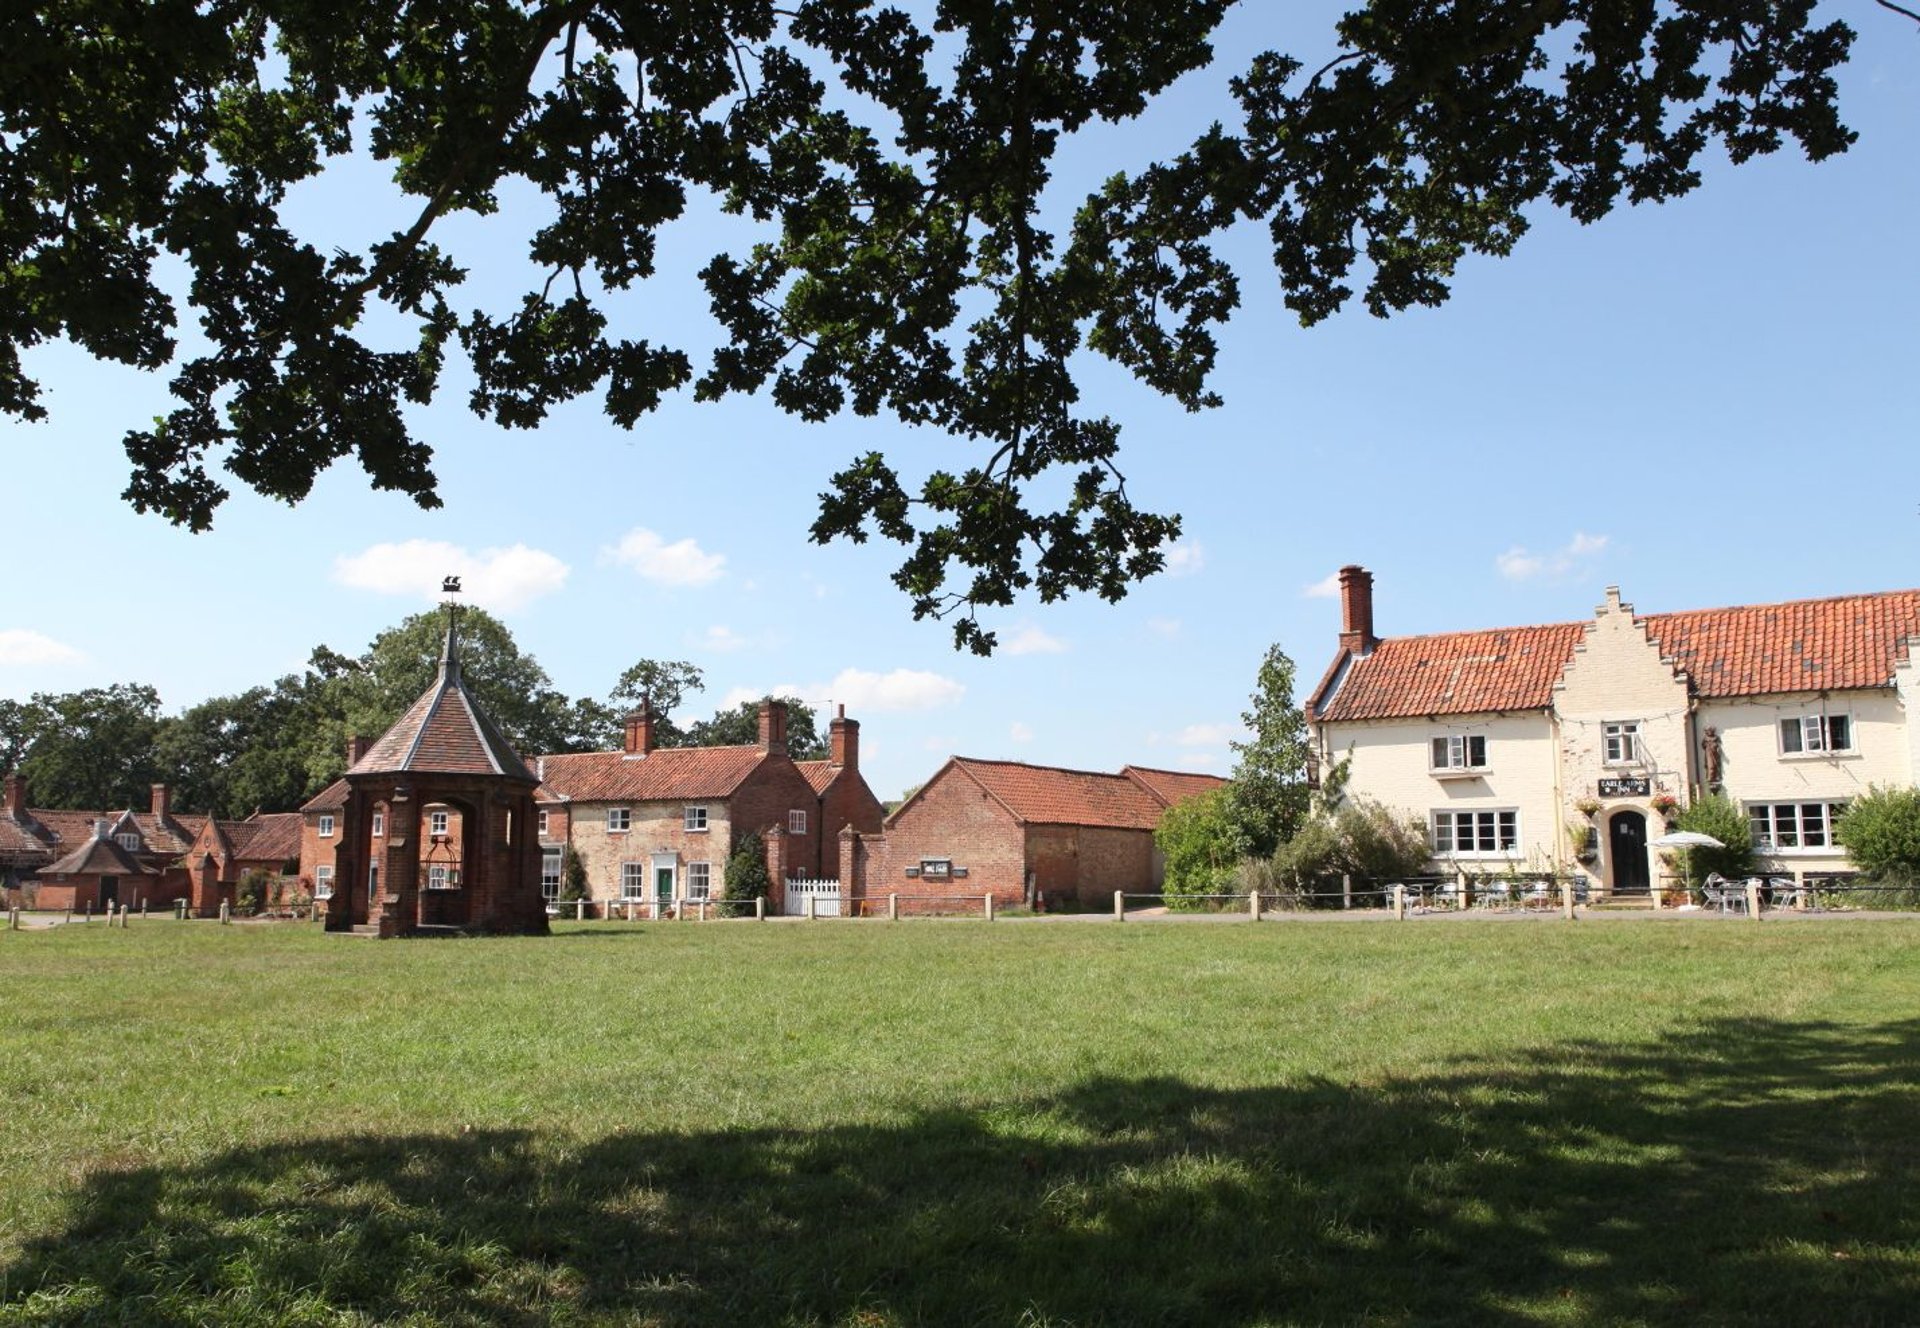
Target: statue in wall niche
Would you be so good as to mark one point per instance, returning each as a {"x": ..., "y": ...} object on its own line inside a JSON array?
[{"x": 1710, "y": 759}]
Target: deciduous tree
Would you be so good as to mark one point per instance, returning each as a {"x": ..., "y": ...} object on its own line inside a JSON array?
[
  {"x": 901, "y": 259},
  {"x": 1269, "y": 794}
]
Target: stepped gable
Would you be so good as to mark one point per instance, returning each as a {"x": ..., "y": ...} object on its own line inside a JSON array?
[
  {"x": 1050, "y": 795},
  {"x": 668, "y": 773},
  {"x": 445, "y": 732}
]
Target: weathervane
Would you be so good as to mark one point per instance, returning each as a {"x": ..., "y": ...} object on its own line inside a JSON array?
[{"x": 450, "y": 585}]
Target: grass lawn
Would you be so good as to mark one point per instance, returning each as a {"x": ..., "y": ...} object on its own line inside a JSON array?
[{"x": 958, "y": 1123}]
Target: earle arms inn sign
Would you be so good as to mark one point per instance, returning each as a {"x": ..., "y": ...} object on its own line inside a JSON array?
[{"x": 1625, "y": 788}]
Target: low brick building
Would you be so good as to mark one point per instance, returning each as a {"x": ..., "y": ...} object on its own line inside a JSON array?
[
  {"x": 1021, "y": 833},
  {"x": 657, "y": 824}
]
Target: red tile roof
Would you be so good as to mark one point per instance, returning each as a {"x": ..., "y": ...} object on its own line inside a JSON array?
[
  {"x": 267, "y": 836},
  {"x": 329, "y": 799},
  {"x": 444, "y": 732},
  {"x": 666, "y": 773},
  {"x": 23, "y": 840},
  {"x": 1849, "y": 641},
  {"x": 818, "y": 774},
  {"x": 97, "y": 857},
  {"x": 1172, "y": 786},
  {"x": 1049, "y": 795}
]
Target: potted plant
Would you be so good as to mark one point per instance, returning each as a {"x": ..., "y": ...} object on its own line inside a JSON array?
[
  {"x": 1587, "y": 806},
  {"x": 1581, "y": 834},
  {"x": 1666, "y": 805}
]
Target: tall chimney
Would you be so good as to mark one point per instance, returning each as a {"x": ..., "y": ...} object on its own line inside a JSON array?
[
  {"x": 1356, "y": 610},
  {"x": 844, "y": 739},
  {"x": 357, "y": 749},
  {"x": 162, "y": 802},
  {"x": 773, "y": 725},
  {"x": 640, "y": 731},
  {"x": 17, "y": 796}
]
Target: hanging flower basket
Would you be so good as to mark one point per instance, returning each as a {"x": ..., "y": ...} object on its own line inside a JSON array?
[{"x": 1666, "y": 804}]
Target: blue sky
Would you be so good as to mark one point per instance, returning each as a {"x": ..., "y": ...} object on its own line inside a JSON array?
[{"x": 1711, "y": 402}]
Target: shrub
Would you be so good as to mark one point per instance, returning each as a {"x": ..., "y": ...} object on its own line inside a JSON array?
[
  {"x": 573, "y": 876},
  {"x": 1362, "y": 839},
  {"x": 1201, "y": 844},
  {"x": 1721, "y": 817},
  {"x": 1881, "y": 832},
  {"x": 250, "y": 896},
  {"x": 746, "y": 878}
]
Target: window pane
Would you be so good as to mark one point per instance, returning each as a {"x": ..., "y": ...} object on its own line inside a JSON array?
[
  {"x": 1439, "y": 753},
  {"x": 1476, "y": 751},
  {"x": 1509, "y": 829},
  {"x": 1813, "y": 825},
  {"x": 1786, "y": 829},
  {"x": 1839, "y": 733},
  {"x": 1789, "y": 735}
]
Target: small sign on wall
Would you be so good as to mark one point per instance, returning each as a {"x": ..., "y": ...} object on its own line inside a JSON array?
[{"x": 1625, "y": 788}]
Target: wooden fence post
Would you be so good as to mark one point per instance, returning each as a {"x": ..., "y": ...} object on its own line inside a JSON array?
[
  {"x": 1566, "y": 899},
  {"x": 1253, "y": 906},
  {"x": 811, "y": 913},
  {"x": 226, "y": 913},
  {"x": 989, "y": 902},
  {"x": 579, "y": 910},
  {"x": 759, "y": 908},
  {"x": 1399, "y": 903},
  {"x": 1346, "y": 890},
  {"x": 1753, "y": 900},
  {"x": 893, "y": 907},
  {"x": 1119, "y": 907}
]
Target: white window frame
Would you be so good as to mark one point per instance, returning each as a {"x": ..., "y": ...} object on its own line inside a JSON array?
[
  {"x": 694, "y": 818},
  {"x": 797, "y": 821},
  {"x": 440, "y": 877},
  {"x": 437, "y": 823},
  {"x": 936, "y": 869},
  {"x": 326, "y": 827},
  {"x": 619, "y": 820},
  {"x": 542, "y": 822},
  {"x": 1772, "y": 823},
  {"x": 129, "y": 842},
  {"x": 323, "y": 882},
  {"x": 1493, "y": 832},
  {"x": 699, "y": 880},
  {"x": 1814, "y": 735},
  {"x": 1612, "y": 735},
  {"x": 550, "y": 880},
  {"x": 1457, "y": 753},
  {"x": 636, "y": 878},
  {"x": 379, "y": 824}
]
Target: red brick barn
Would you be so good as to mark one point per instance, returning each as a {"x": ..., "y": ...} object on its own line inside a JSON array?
[{"x": 1018, "y": 831}]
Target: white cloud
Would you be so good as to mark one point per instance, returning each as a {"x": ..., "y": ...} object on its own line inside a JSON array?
[
  {"x": 1523, "y": 564},
  {"x": 1031, "y": 640},
  {"x": 1185, "y": 557},
  {"x": 681, "y": 563},
  {"x": 722, "y": 639},
  {"x": 504, "y": 579},
  {"x": 1327, "y": 587},
  {"x": 1020, "y": 732},
  {"x": 1207, "y": 735},
  {"x": 863, "y": 690},
  {"x": 1165, "y": 628},
  {"x": 1199, "y": 760},
  {"x": 22, "y": 645}
]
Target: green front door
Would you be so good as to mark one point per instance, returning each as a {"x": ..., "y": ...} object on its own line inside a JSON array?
[{"x": 663, "y": 887}]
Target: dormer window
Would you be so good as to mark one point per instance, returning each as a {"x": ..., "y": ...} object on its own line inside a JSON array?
[
  {"x": 1459, "y": 751},
  {"x": 1622, "y": 743},
  {"x": 1810, "y": 734},
  {"x": 326, "y": 827},
  {"x": 131, "y": 843}
]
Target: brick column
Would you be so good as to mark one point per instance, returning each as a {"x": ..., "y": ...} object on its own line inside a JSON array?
[
  {"x": 775, "y": 840},
  {"x": 850, "y": 882},
  {"x": 397, "y": 912}
]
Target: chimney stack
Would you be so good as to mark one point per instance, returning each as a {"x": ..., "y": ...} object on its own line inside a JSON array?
[
  {"x": 162, "y": 802},
  {"x": 845, "y": 740},
  {"x": 357, "y": 749},
  {"x": 1356, "y": 610},
  {"x": 773, "y": 725},
  {"x": 17, "y": 796},
  {"x": 640, "y": 730}
]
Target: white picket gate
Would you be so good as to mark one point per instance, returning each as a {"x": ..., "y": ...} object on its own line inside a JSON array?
[{"x": 825, "y": 896}]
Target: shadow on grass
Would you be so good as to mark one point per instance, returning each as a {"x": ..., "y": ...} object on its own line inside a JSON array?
[{"x": 1755, "y": 1171}]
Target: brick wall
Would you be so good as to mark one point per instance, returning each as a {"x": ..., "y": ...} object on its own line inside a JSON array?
[
  {"x": 763, "y": 800},
  {"x": 952, "y": 818},
  {"x": 1088, "y": 863},
  {"x": 655, "y": 827}
]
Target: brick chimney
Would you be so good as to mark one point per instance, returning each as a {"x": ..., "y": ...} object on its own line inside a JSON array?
[
  {"x": 17, "y": 796},
  {"x": 773, "y": 725},
  {"x": 844, "y": 736},
  {"x": 162, "y": 802},
  {"x": 1356, "y": 610},
  {"x": 640, "y": 731},
  {"x": 357, "y": 748}
]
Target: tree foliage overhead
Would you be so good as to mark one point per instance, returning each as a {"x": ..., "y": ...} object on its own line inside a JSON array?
[{"x": 895, "y": 168}]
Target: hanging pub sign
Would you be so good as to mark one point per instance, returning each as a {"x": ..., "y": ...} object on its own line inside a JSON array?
[{"x": 1625, "y": 788}]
